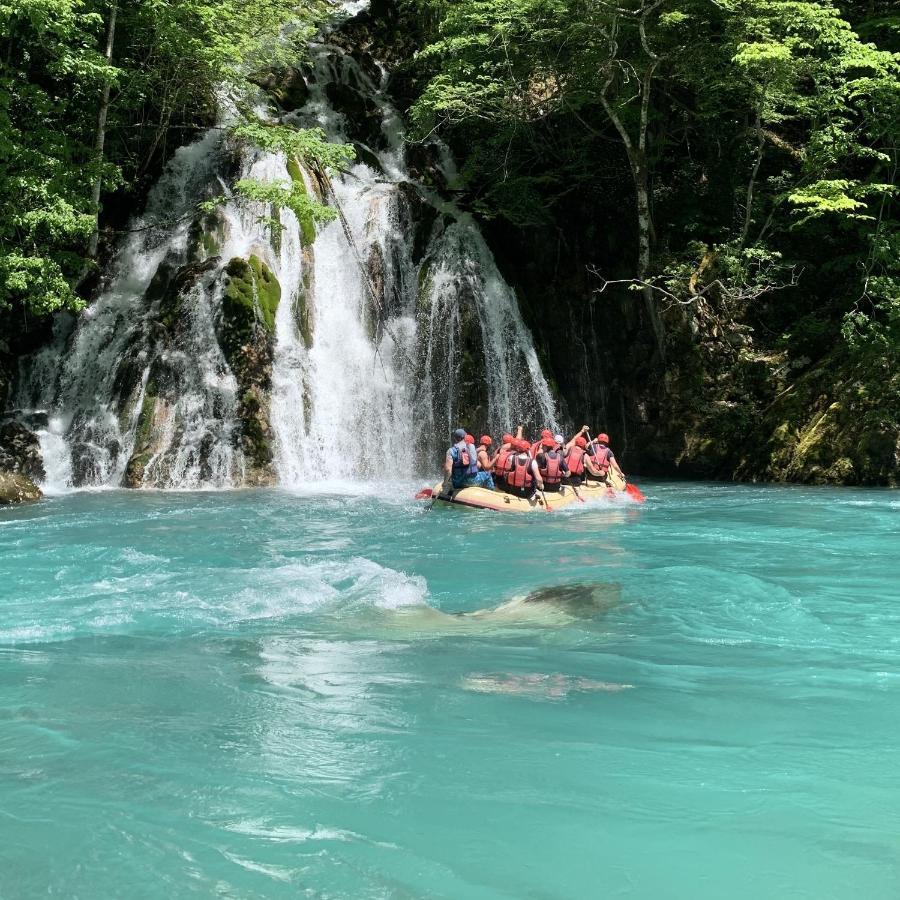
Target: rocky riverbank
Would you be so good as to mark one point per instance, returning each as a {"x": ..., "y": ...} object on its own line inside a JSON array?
[{"x": 20, "y": 464}]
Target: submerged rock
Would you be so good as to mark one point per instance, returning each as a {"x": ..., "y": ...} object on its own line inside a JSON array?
[{"x": 538, "y": 685}]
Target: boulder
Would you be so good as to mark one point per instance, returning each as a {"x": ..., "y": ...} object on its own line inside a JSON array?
[
  {"x": 20, "y": 451},
  {"x": 287, "y": 87},
  {"x": 17, "y": 488}
]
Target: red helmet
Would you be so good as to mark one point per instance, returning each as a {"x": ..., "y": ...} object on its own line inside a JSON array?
[
  {"x": 548, "y": 442},
  {"x": 470, "y": 439},
  {"x": 603, "y": 438},
  {"x": 507, "y": 439},
  {"x": 546, "y": 433},
  {"x": 523, "y": 445},
  {"x": 580, "y": 442},
  {"x": 486, "y": 440}
]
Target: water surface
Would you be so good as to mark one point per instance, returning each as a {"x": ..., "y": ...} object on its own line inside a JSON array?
[{"x": 254, "y": 694}]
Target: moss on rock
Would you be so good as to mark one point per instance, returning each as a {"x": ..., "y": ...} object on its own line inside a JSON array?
[
  {"x": 249, "y": 303},
  {"x": 246, "y": 332},
  {"x": 307, "y": 222}
]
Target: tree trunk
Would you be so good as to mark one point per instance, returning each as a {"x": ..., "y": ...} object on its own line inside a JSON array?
[
  {"x": 101, "y": 131},
  {"x": 645, "y": 228},
  {"x": 751, "y": 184}
]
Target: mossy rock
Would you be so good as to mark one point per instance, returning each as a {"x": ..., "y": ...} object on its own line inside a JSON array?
[
  {"x": 835, "y": 425},
  {"x": 255, "y": 433},
  {"x": 144, "y": 430},
  {"x": 170, "y": 285},
  {"x": 136, "y": 469},
  {"x": 303, "y": 318},
  {"x": 307, "y": 222},
  {"x": 207, "y": 235},
  {"x": 249, "y": 303},
  {"x": 256, "y": 437}
]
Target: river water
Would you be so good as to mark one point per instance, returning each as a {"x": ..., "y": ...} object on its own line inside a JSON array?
[{"x": 261, "y": 694}]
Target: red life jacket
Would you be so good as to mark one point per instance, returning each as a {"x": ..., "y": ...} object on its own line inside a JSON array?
[
  {"x": 551, "y": 469},
  {"x": 575, "y": 460},
  {"x": 501, "y": 461},
  {"x": 601, "y": 459},
  {"x": 519, "y": 474}
]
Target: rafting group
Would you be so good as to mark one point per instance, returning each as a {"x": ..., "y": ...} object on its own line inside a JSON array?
[{"x": 521, "y": 475}]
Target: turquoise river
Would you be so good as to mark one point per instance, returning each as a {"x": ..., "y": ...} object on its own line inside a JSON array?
[{"x": 260, "y": 694}]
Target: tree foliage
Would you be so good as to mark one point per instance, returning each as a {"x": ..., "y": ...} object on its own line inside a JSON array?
[
  {"x": 755, "y": 127},
  {"x": 170, "y": 62}
]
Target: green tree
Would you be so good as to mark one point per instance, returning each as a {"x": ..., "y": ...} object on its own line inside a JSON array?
[
  {"x": 91, "y": 94},
  {"x": 807, "y": 110}
]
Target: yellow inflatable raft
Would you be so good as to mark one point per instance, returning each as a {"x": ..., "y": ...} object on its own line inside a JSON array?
[{"x": 482, "y": 498}]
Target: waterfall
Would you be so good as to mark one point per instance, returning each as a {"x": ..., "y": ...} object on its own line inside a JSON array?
[{"x": 393, "y": 325}]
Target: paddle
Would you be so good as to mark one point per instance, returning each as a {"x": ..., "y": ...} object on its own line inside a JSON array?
[
  {"x": 575, "y": 492},
  {"x": 424, "y": 494},
  {"x": 546, "y": 504},
  {"x": 434, "y": 498}
]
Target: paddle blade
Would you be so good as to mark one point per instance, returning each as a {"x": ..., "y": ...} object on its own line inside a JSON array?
[
  {"x": 425, "y": 494},
  {"x": 635, "y": 493}
]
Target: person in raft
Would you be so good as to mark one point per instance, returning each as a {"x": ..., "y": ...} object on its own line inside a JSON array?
[
  {"x": 589, "y": 462},
  {"x": 522, "y": 475},
  {"x": 551, "y": 463},
  {"x": 485, "y": 460},
  {"x": 601, "y": 459},
  {"x": 461, "y": 465}
]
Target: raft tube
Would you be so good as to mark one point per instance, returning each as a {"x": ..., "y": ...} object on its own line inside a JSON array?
[{"x": 482, "y": 498}]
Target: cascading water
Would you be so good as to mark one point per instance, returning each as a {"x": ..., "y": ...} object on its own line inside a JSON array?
[
  {"x": 393, "y": 333},
  {"x": 393, "y": 326}
]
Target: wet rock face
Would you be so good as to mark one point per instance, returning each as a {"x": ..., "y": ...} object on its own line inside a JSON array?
[
  {"x": 166, "y": 296},
  {"x": 287, "y": 87},
  {"x": 246, "y": 332},
  {"x": 362, "y": 115},
  {"x": 17, "y": 488},
  {"x": 20, "y": 452},
  {"x": 830, "y": 427},
  {"x": 21, "y": 463},
  {"x": 461, "y": 375}
]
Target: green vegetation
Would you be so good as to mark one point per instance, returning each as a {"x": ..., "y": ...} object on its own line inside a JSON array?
[
  {"x": 250, "y": 300},
  {"x": 95, "y": 95},
  {"x": 748, "y": 128},
  {"x": 731, "y": 163}
]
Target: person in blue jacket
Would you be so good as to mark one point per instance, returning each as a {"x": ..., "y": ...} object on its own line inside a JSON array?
[{"x": 461, "y": 465}]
